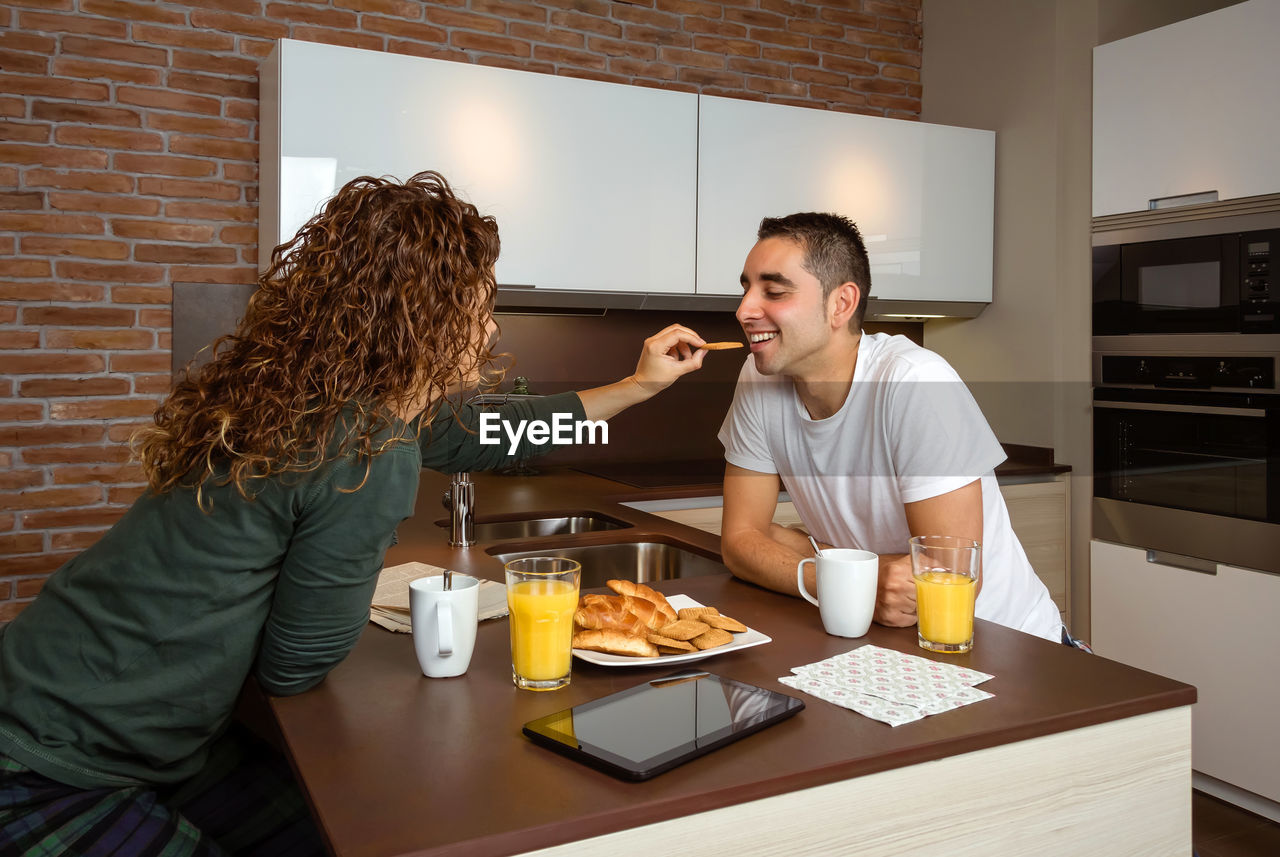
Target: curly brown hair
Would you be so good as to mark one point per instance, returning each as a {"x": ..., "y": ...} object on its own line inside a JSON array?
[{"x": 379, "y": 301}]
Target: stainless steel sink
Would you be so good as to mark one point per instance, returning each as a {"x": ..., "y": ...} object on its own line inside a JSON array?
[
  {"x": 525, "y": 528},
  {"x": 641, "y": 561}
]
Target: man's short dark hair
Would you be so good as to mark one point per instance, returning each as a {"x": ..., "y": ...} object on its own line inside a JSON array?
[{"x": 833, "y": 252}]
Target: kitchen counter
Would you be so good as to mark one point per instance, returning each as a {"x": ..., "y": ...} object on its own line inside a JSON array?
[{"x": 1074, "y": 754}]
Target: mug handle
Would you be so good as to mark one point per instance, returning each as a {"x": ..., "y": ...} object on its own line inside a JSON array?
[
  {"x": 444, "y": 625},
  {"x": 800, "y": 580}
]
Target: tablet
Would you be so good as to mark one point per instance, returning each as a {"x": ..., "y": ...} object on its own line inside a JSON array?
[{"x": 641, "y": 732}]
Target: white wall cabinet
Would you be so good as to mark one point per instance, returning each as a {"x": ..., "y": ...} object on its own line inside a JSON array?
[
  {"x": 608, "y": 187},
  {"x": 922, "y": 195},
  {"x": 593, "y": 184},
  {"x": 1188, "y": 108},
  {"x": 1216, "y": 631}
]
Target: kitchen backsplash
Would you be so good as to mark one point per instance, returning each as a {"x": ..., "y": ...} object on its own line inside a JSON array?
[{"x": 572, "y": 352}]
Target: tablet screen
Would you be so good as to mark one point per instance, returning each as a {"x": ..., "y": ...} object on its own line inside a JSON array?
[{"x": 655, "y": 726}]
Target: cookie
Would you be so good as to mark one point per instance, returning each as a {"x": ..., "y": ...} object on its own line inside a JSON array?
[
  {"x": 685, "y": 629},
  {"x": 711, "y": 638},
  {"x": 665, "y": 643},
  {"x": 724, "y": 623}
]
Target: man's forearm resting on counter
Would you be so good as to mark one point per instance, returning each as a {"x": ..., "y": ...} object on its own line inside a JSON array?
[
  {"x": 755, "y": 549},
  {"x": 765, "y": 553}
]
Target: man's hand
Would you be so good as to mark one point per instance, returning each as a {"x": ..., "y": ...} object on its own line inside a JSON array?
[{"x": 896, "y": 592}]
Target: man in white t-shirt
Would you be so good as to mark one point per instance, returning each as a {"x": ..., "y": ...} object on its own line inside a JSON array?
[{"x": 875, "y": 438}]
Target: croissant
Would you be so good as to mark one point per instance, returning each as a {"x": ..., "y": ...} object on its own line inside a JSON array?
[
  {"x": 629, "y": 588},
  {"x": 614, "y": 643},
  {"x": 648, "y": 612},
  {"x": 602, "y": 613}
]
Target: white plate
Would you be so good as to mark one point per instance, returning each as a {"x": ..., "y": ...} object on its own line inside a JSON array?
[{"x": 742, "y": 640}]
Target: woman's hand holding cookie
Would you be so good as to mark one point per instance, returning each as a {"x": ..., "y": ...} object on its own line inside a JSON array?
[{"x": 666, "y": 356}]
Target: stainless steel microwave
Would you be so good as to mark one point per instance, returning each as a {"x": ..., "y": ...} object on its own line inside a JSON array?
[{"x": 1202, "y": 284}]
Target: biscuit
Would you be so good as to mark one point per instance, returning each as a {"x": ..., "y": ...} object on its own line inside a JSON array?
[
  {"x": 685, "y": 629},
  {"x": 725, "y": 623},
  {"x": 669, "y": 643},
  {"x": 697, "y": 612},
  {"x": 711, "y": 638},
  {"x": 721, "y": 346}
]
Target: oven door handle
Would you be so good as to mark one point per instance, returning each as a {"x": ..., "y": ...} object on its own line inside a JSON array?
[{"x": 1182, "y": 409}]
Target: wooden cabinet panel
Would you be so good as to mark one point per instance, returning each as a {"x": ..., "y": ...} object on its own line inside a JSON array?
[{"x": 1038, "y": 513}]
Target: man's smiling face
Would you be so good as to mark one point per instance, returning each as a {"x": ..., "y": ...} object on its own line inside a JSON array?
[{"x": 783, "y": 312}]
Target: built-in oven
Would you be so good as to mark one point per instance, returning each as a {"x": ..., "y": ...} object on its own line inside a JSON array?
[{"x": 1187, "y": 446}]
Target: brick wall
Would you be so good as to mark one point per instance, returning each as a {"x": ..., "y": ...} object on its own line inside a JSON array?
[{"x": 128, "y": 162}]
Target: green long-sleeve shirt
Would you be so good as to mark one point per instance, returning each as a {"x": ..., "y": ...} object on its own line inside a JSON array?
[{"x": 128, "y": 665}]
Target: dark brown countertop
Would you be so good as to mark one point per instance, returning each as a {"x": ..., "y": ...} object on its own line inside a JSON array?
[
  {"x": 1029, "y": 461},
  {"x": 395, "y": 763}
]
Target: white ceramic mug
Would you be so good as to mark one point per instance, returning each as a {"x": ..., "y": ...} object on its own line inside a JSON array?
[
  {"x": 444, "y": 623},
  {"x": 846, "y": 589}
]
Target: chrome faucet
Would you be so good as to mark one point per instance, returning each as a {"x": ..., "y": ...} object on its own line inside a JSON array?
[
  {"x": 461, "y": 502},
  {"x": 460, "y": 499}
]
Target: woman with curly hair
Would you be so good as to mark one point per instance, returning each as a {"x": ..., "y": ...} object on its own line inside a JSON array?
[{"x": 277, "y": 475}]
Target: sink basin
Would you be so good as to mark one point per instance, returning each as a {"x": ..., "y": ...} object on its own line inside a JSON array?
[
  {"x": 494, "y": 530},
  {"x": 641, "y": 561}
]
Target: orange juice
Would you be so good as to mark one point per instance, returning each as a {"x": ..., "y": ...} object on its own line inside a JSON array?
[
  {"x": 542, "y": 627},
  {"x": 944, "y": 603}
]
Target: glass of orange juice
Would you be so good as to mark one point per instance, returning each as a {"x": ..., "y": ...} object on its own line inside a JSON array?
[
  {"x": 542, "y": 595},
  {"x": 946, "y": 570}
]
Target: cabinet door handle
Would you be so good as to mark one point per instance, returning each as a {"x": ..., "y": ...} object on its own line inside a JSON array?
[{"x": 1177, "y": 560}]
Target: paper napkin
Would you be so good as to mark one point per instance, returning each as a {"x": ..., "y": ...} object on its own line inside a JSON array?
[
  {"x": 390, "y": 607},
  {"x": 887, "y": 685}
]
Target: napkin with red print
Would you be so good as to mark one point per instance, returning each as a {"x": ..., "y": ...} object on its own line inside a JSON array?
[{"x": 889, "y": 686}]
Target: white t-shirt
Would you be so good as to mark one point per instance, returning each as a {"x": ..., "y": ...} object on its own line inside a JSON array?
[{"x": 908, "y": 430}]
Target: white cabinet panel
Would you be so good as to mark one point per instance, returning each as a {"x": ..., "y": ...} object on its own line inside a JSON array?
[
  {"x": 1215, "y": 631},
  {"x": 593, "y": 184},
  {"x": 922, "y": 195},
  {"x": 1188, "y": 108}
]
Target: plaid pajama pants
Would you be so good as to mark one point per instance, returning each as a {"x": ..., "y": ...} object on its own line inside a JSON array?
[{"x": 245, "y": 802}]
